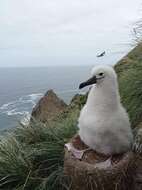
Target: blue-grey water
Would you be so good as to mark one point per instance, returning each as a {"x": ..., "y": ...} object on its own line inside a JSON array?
[{"x": 21, "y": 88}]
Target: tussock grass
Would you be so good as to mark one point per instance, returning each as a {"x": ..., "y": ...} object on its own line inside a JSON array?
[
  {"x": 14, "y": 165},
  {"x": 130, "y": 82},
  {"x": 32, "y": 156}
]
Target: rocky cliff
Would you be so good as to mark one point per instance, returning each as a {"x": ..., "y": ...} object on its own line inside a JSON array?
[{"x": 48, "y": 107}]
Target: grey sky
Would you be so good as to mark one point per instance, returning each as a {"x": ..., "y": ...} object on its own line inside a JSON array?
[{"x": 50, "y": 32}]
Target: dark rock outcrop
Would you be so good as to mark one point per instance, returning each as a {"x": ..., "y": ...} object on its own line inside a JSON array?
[{"x": 48, "y": 107}]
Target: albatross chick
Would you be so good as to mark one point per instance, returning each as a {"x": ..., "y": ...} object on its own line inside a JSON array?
[{"x": 103, "y": 123}]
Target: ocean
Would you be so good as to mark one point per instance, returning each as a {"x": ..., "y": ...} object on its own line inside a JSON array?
[{"x": 21, "y": 88}]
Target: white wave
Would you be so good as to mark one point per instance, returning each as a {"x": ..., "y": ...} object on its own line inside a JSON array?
[
  {"x": 14, "y": 112},
  {"x": 21, "y": 106},
  {"x": 31, "y": 98},
  {"x": 5, "y": 106},
  {"x": 35, "y": 96},
  {"x": 26, "y": 119}
]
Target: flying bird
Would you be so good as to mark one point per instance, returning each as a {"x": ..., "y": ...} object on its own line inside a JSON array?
[
  {"x": 101, "y": 55},
  {"x": 103, "y": 122}
]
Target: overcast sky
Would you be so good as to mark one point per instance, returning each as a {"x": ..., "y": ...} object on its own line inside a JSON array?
[{"x": 51, "y": 32}]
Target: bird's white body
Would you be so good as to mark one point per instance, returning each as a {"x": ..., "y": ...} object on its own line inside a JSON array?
[{"x": 103, "y": 123}]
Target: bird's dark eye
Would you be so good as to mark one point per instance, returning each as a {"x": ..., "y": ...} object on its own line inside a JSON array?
[{"x": 101, "y": 74}]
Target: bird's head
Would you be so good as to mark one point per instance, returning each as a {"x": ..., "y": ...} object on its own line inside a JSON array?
[{"x": 99, "y": 75}]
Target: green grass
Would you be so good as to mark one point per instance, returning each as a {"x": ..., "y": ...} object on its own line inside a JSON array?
[
  {"x": 32, "y": 157},
  {"x": 130, "y": 83}
]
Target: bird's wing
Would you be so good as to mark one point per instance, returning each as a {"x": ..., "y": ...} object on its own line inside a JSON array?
[{"x": 102, "y": 54}]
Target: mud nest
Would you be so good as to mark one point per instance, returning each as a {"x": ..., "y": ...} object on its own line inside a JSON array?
[{"x": 95, "y": 171}]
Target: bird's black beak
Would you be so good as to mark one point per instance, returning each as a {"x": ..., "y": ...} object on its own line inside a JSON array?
[{"x": 90, "y": 81}]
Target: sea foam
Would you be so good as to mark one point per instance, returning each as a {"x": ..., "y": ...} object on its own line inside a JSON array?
[{"x": 21, "y": 106}]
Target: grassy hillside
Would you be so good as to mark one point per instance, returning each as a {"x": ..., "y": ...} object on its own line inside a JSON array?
[
  {"x": 129, "y": 71},
  {"x": 31, "y": 157}
]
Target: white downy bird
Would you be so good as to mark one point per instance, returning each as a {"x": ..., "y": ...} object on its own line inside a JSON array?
[{"x": 103, "y": 123}]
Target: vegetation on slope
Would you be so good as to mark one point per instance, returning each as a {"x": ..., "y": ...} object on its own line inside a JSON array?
[
  {"x": 32, "y": 157},
  {"x": 129, "y": 71}
]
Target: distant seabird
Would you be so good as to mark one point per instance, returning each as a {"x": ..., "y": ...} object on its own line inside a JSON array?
[
  {"x": 101, "y": 55},
  {"x": 103, "y": 123}
]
